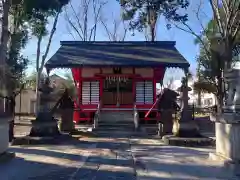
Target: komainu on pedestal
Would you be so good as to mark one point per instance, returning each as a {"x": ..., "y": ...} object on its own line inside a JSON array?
[{"x": 167, "y": 106}]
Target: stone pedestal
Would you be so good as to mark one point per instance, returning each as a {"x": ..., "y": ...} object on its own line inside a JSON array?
[
  {"x": 185, "y": 129},
  {"x": 227, "y": 134},
  {"x": 228, "y": 140},
  {"x": 167, "y": 121},
  {"x": 4, "y": 133},
  {"x": 67, "y": 124},
  {"x": 44, "y": 126}
]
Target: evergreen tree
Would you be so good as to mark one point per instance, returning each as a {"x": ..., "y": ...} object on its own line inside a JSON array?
[{"x": 142, "y": 14}]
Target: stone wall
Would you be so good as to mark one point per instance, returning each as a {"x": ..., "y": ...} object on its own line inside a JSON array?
[{"x": 205, "y": 124}]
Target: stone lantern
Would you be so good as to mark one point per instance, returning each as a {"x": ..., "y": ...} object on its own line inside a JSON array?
[
  {"x": 227, "y": 124},
  {"x": 45, "y": 124},
  {"x": 185, "y": 127}
]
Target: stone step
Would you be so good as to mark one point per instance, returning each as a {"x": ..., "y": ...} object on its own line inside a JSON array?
[
  {"x": 118, "y": 122},
  {"x": 116, "y": 116},
  {"x": 115, "y": 120},
  {"x": 117, "y": 126},
  {"x": 116, "y": 133},
  {"x": 150, "y": 129}
]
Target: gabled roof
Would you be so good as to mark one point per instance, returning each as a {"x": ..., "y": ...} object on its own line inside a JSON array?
[{"x": 99, "y": 54}]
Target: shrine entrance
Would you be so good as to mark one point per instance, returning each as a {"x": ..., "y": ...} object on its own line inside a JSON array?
[{"x": 117, "y": 91}]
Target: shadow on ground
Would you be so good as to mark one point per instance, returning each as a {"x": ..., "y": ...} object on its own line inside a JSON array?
[{"x": 114, "y": 156}]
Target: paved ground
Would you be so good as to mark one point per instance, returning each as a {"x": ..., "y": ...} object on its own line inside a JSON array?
[
  {"x": 156, "y": 161},
  {"x": 114, "y": 158}
]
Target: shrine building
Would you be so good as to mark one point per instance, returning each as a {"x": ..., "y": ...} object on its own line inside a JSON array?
[{"x": 118, "y": 75}]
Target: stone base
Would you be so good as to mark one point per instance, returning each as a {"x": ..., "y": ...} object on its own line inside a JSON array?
[
  {"x": 186, "y": 129},
  {"x": 28, "y": 140},
  {"x": 233, "y": 166},
  {"x": 44, "y": 129},
  {"x": 6, "y": 157},
  {"x": 167, "y": 121},
  {"x": 187, "y": 142},
  {"x": 228, "y": 140}
]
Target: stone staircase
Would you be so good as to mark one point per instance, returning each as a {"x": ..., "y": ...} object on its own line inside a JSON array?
[{"x": 115, "y": 123}]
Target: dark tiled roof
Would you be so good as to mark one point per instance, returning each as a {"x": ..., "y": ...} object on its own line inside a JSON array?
[{"x": 138, "y": 54}]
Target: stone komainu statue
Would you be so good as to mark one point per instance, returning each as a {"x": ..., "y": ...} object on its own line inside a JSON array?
[
  {"x": 167, "y": 105},
  {"x": 66, "y": 106}
]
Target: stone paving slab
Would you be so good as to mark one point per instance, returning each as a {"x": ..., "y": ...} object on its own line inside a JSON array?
[
  {"x": 160, "y": 162},
  {"x": 45, "y": 162}
]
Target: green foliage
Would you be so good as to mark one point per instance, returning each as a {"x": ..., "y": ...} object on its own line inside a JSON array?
[
  {"x": 210, "y": 64},
  {"x": 31, "y": 6},
  {"x": 70, "y": 85},
  {"x": 16, "y": 62},
  {"x": 30, "y": 81},
  {"x": 137, "y": 11},
  {"x": 206, "y": 87},
  {"x": 27, "y": 16},
  {"x": 209, "y": 70}
]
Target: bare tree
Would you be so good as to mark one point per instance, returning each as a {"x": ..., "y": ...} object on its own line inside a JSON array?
[
  {"x": 82, "y": 21},
  {"x": 117, "y": 31},
  {"x": 226, "y": 23},
  {"x": 219, "y": 42}
]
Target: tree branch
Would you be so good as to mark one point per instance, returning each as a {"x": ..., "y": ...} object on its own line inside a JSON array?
[
  {"x": 234, "y": 17},
  {"x": 190, "y": 30},
  {"x": 49, "y": 41},
  {"x": 96, "y": 17},
  {"x": 72, "y": 25},
  {"x": 218, "y": 18},
  {"x": 38, "y": 52},
  {"x": 125, "y": 32},
  {"x": 107, "y": 30},
  {"x": 76, "y": 17}
]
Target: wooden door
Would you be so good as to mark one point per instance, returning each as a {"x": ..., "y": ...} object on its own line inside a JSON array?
[
  {"x": 126, "y": 93},
  {"x": 109, "y": 96}
]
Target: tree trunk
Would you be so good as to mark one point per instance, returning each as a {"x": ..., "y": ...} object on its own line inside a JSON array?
[
  {"x": 220, "y": 95},
  {"x": 3, "y": 52},
  {"x": 152, "y": 34},
  {"x": 4, "y": 44},
  {"x": 38, "y": 74},
  {"x": 199, "y": 99}
]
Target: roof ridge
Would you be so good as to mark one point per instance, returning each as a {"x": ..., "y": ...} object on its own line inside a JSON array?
[{"x": 129, "y": 43}]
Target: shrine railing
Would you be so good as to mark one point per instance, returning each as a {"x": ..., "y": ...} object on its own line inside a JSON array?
[
  {"x": 97, "y": 116},
  {"x": 135, "y": 117}
]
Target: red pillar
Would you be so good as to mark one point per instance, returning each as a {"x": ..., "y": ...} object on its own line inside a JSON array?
[
  {"x": 154, "y": 90},
  {"x": 134, "y": 89},
  {"x": 101, "y": 81},
  {"x": 80, "y": 87}
]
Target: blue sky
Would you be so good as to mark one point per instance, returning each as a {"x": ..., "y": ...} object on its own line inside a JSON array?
[{"x": 184, "y": 41}]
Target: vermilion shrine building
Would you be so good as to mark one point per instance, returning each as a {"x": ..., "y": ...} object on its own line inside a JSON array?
[{"x": 117, "y": 74}]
